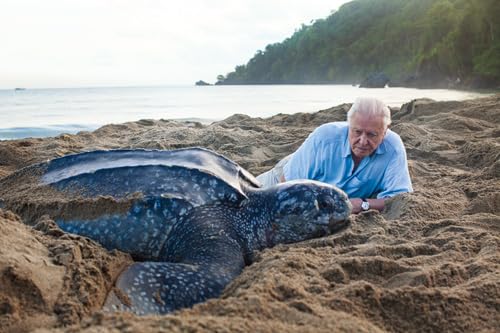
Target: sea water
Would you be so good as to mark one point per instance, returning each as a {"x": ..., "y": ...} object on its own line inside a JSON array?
[{"x": 49, "y": 112}]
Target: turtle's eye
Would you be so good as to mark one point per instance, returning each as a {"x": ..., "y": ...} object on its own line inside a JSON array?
[
  {"x": 297, "y": 210},
  {"x": 323, "y": 203},
  {"x": 290, "y": 208}
]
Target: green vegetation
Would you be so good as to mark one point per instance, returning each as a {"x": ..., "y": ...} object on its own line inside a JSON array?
[{"x": 432, "y": 42}]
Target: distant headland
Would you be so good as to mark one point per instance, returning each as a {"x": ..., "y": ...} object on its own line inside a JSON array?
[{"x": 414, "y": 43}]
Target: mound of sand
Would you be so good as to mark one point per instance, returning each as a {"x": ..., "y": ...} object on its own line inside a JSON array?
[{"x": 429, "y": 262}]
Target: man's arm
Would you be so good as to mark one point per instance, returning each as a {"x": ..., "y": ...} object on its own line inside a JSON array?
[
  {"x": 396, "y": 176},
  {"x": 305, "y": 162}
]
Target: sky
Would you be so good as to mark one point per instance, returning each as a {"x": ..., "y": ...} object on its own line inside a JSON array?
[{"x": 86, "y": 43}]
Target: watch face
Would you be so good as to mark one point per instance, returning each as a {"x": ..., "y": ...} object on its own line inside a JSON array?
[{"x": 365, "y": 205}]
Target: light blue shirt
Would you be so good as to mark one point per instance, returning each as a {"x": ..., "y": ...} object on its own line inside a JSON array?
[{"x": 326, "y": 156}]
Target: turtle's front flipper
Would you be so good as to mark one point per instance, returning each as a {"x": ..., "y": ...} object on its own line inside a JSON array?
[
  {"x": 203, "y": 258},
  {"x": 140, "y": 231},
  {"x": 158, "y": 288}
]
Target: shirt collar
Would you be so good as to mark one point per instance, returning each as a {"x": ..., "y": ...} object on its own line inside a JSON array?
[
  {"x": 381, "y": 148},
  {"x": 347, "y": 147}
]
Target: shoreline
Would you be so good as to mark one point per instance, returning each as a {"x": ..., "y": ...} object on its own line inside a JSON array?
[
  {"x": 204, "y": 105},
  {"x": 465, "y": 89}
]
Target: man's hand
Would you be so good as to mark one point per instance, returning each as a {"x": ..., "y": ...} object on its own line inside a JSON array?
[
  {"x": 377, "y": 204},
  {"x": 356, "y": 205}
]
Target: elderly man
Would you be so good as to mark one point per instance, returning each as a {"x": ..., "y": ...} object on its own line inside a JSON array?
[{"x": 361, "y": 156}]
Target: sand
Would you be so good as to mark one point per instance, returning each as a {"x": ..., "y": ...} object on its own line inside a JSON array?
[{"x": 429, "y": 263}]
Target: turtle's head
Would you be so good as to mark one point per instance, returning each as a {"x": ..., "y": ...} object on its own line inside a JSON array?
[{"x": 307, "y": 209}]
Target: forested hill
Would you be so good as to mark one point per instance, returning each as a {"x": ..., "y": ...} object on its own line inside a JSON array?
[{"x": 427, "y": 43}]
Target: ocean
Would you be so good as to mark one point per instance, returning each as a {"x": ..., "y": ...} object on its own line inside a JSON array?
[{"x": 50, "y": 112}]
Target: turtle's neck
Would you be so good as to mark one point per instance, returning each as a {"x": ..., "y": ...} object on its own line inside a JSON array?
[{"x": 255, "y": 218}]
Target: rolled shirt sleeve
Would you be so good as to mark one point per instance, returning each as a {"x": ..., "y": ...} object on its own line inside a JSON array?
[
  {"x": 302, "y": 163},
  {"x": 396, "y": 179},
  {"x": 318, "y": 154}
]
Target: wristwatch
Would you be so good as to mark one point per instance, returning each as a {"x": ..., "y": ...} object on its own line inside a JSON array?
[{"x": 365, "y": 205}]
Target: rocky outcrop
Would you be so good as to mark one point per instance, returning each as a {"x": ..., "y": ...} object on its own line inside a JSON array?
[
  {"x": 202, "y": 83},
  {"x": 375, "y": 80}
]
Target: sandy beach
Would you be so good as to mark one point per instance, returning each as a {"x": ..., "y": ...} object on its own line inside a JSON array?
[{"x": 429, "y": 263}]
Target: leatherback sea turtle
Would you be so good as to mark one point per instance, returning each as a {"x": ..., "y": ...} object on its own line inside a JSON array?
[{"x": 191, "y": 218}]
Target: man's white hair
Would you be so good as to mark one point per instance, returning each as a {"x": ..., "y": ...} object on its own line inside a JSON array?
[{"x": 370, "y": 106}]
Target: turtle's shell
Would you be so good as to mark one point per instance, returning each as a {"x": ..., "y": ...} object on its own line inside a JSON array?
[{"x": 197, "y": 175}]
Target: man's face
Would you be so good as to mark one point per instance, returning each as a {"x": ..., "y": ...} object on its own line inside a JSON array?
[{"x": 365, "y": 134}]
